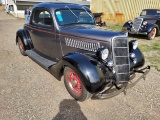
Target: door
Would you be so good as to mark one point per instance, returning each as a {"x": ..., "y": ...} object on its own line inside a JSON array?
[{"x": 43, "y": 33}]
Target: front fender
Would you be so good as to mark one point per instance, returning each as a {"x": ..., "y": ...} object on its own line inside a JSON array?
[
  {"x": 150, "y": 27},
  {"x": 126, "y": 26},
  {"x": 140, "y": 59},
  {"x": 92, "y": 74}
]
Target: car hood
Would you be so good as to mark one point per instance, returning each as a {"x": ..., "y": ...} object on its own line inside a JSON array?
[{"x": 91, "y": 32}]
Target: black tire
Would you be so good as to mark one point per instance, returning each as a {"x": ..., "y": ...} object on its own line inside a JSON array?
[
  {"x": 21, "y": 46},
  {"x": 74, "y": 86},
  {"x": 152, "y": 34}
]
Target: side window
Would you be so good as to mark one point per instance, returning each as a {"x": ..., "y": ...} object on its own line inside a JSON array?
[
  {"x": 143, "y": 13},
  {"x": 42, "y": 17},
  {"x": 85, "y": 18}
]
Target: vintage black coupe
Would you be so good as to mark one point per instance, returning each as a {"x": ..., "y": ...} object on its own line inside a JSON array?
[
  {"x": 148, "y": 23},
  {"x": 63, "y": 38}
]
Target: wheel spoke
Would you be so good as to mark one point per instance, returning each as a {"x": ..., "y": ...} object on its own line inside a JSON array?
[{"x": 74, "y": 82}]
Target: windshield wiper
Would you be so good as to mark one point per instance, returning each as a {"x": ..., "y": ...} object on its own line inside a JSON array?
[
  {"x": 87, "y": 12},
  {"x": 71, "y": 11}
]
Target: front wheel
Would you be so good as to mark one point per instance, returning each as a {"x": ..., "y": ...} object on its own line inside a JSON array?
[
  {"x": 152, "y": 34},
  {"x": 74, "y": 86}
]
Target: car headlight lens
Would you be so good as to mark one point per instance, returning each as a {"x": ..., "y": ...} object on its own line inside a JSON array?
[
  {"x": 135, "y": 44},
  {"x": 103, "y": 53},
  {"x": 144, "y": 22}
]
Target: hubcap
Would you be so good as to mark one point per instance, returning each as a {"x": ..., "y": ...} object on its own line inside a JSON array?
[
  {"x": 153, "y": 33},
  {"x": 21, "y": 46},
  {"x": 74, "y": 82}
]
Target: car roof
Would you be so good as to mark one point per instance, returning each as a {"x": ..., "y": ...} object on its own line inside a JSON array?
[
  {"x": 151, "y": 9},
  {"x": 58, "y": 5}
]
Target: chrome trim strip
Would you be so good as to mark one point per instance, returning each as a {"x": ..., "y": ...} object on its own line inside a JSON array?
[{"x": 85, "y": 45}]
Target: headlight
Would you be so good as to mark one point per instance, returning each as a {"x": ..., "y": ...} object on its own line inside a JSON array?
[
  {"x": 144, "y": 22},
  {"x": 132, "y": 55},
  {"x": 133, "y": 44},
  {"x": 130, "y": 21},
  {"x": 103, "y": 53}
]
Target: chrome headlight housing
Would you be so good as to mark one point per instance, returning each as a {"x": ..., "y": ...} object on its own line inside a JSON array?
[
  {"x": 133, "y": 44},
  {"x": 103, "y": 53},
  {"x": 144, "y": 23}
]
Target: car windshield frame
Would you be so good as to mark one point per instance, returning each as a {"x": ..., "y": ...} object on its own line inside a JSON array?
[
  {"x": 70, "y": 16},
  {"x": 150, "y": 13}
]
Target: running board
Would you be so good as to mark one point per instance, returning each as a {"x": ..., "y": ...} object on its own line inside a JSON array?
[{"x": 43, "y": 62}]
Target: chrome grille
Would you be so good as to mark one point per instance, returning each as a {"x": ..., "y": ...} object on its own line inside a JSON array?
[
  {"x": 121, "y": 59},
  {"x": 136, "y": 24},
  {"x": 85, "y": 45}
]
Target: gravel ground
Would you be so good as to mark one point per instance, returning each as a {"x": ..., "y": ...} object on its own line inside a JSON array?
[{"x": 28, "y": 92}]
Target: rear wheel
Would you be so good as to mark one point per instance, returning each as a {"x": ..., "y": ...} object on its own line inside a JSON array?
[
  {"x": 21, "y": 46},
  {"x": 152, "y": 34},
  {"x": 74, "y": 86}
]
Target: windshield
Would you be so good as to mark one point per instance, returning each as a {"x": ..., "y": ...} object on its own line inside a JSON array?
[
  {"x": 150, "y": 13},
  {"x": 74, "y": 16}
]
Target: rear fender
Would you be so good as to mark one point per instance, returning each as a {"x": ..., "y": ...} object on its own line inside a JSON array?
[
  {"x": 24, "y": 35},
  {"x": 92, "y": 74}
]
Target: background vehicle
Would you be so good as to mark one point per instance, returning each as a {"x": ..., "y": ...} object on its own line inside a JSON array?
[
  {"x": 148, "y": 23},
  {"x": 63, "y": 38},
  {"x": 98, "y": 20}
]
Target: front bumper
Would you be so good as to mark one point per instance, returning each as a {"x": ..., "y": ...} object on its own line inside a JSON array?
[
  {"x": 132, "y": 31},
  {"x": 137, "y": 32},
  {"x": 114, "y": 89}
]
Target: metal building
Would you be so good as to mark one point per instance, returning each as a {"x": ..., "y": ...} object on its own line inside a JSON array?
[{"x": 120, "y": 11}]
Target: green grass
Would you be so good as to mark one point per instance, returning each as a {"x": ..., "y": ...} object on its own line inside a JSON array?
[
  {"x": 148, "y": 48},
  {"x": 156, "y": 67},
  {"x": 145, "y": 48},
  {"x": 156, "y": 46},
  {"x": 155, "y": 58},
  {"x": 116, "y": 27},
  {"x": 154, "y": 61}
]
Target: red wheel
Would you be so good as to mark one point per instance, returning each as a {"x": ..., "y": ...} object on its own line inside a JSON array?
[
  {"x": 74, "y": 85},
  {"x": 152, "y": 34},
  {"x": 21, "y": 46}
]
